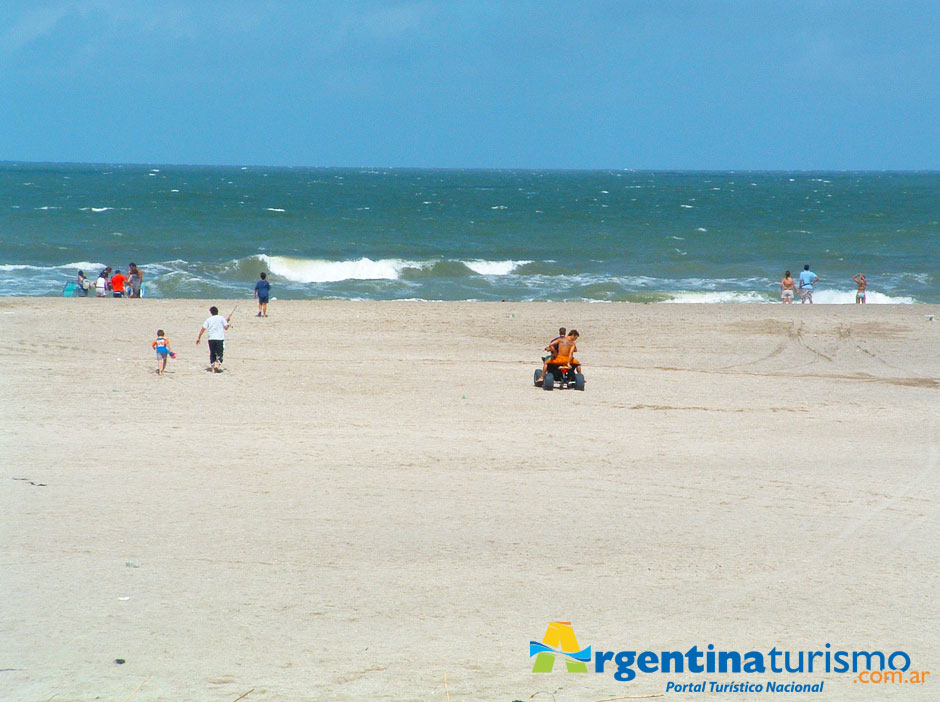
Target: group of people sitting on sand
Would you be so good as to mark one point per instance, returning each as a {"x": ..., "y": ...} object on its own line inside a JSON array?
[
  {"x": 109, "y": 284},
  {"x": 807, "y": 283}
]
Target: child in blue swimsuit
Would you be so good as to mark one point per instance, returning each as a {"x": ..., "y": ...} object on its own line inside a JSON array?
[{"x": 162, "y": 346}]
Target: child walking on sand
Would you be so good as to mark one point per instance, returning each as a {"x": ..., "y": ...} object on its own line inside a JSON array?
[{"x": 162, "y": 346}]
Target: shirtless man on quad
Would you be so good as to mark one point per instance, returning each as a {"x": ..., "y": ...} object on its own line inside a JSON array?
[
  {"x": 552, "y": 348},
  {"x": 562, "y": 350}
]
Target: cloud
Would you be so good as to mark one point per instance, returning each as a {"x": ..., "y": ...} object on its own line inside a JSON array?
[
  {"x": 396, "y": 21},
  {"x": 96, "y": 19},
  {"x": 34, "y": 24},
  {"x": 389, "y": 23}
]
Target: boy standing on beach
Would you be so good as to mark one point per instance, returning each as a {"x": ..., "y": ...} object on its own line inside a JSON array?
[
  {"x": 162, "y": 346},
  {"x": 216, "y": 325},
  {"x": 263, "y": 292}
]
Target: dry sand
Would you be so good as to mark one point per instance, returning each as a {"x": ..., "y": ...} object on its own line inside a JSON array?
[{"x": 374, "y": 495}]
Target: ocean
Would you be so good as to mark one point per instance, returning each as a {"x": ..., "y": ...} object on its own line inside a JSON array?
[{"x": 388, "y": 233}]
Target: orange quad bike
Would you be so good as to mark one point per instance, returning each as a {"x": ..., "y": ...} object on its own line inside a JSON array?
[{"x": 564, "y": 375}]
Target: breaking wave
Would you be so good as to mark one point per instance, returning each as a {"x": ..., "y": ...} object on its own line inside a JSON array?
[{"x": 314, "y": 270}]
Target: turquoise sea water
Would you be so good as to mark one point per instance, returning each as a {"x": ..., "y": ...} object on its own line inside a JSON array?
[{"x": 471, "y": 235}]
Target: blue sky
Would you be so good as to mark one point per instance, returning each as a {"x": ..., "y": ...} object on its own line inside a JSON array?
[{"x": 700, "y": 84}]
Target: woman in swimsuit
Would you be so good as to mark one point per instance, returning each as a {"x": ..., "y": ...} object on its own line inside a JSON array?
[
  {"x": 787, "y": 285},
  {"x": 862, "y": 287}
]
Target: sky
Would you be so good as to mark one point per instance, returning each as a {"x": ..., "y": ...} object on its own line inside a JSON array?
[{"x": 658, "y": 84}]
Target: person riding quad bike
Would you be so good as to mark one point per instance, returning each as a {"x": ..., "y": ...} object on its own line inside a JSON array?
[{"x": 561, "y": 365}]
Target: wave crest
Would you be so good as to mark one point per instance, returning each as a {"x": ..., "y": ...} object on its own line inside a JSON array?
[
  {"x": 493, "y": 267},
  {"x": 316, "y": 270}
]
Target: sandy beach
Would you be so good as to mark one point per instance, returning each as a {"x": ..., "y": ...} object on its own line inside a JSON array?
[{"x": 373, "y": 496}]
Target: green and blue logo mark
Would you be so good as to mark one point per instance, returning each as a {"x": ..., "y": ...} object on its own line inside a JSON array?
[
  {"x": 559, "y": 641},
  {"x": 867, "y": 666}
]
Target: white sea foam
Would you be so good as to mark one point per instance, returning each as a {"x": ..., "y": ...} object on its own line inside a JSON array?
[
  {"x": 311, "y": 270},
  {"x": 95, "y": 209},
  {"x": 493, "y": 267},
  {"x": 821, "y": 297},
  {"x": 21, "y": 267},
  {"x": 314, "y": 270},
  {"x": 81, "y": 265},
  {"x": 919, "y": 278},
  {"x": 274, "y": 209},
  {"x": 847, "y": 297},
  {"x": 714, "y": 297}
]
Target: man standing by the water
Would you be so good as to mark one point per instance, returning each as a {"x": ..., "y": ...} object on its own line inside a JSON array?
[
  {"x": 216, "y": 325},
  {"x": 134, "y": 278},
  {"x": 808, "y": 281},
  {"x": 263, "y": 292}
]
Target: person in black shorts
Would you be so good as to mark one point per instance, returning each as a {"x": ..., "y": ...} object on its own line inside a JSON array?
[
  {"x": 263, "y": 293},
  {"x": 216, "y": 325}
]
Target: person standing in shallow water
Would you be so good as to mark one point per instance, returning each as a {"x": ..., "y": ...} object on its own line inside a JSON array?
[
  {"x": 117, "y": 283},
  {"x": 216, "y": 325},
  {"x": 862, "y": 288},
  {"x": 134, "y": 279},
  {"x": 101, "y": 284},
  {"x": 83, "y": 284},
  {"x": 787, "y": 286}
]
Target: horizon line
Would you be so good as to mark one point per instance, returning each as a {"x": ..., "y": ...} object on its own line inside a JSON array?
[{"x": 490, "y": 169}]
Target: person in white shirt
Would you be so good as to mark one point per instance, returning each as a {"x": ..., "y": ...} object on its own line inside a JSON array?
[{"x": 216, "y": 325}]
